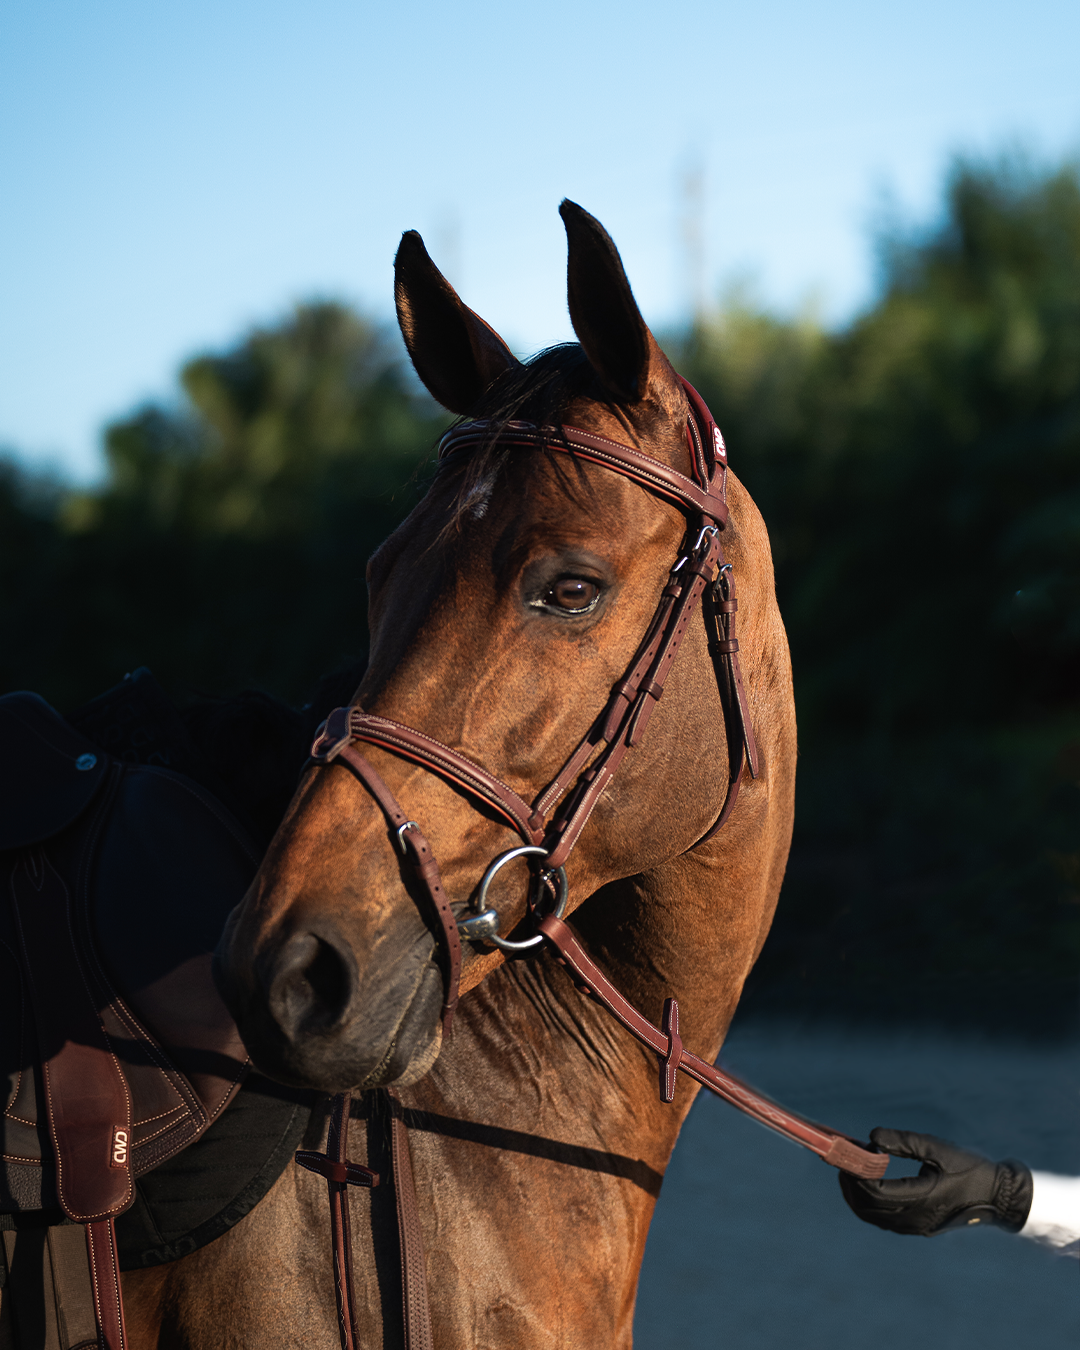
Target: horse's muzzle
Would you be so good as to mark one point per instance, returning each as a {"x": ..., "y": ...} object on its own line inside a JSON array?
[{"x": 299, "y": 1012}]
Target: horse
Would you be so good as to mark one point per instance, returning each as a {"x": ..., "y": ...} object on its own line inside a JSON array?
[{"x": 503, "y": 612}]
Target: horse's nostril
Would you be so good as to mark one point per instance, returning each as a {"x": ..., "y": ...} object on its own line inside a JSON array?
[{"x": 311, "y": 985}]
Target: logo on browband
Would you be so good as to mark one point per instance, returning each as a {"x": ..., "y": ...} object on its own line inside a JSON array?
[
  {"x": 718, "y": 442},
  {"x": 120, "y": 1140}
]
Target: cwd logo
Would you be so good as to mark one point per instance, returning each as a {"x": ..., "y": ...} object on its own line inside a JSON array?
[
  {"x": 718, "y": 444},
  {"x": 120, "y": 1141}
]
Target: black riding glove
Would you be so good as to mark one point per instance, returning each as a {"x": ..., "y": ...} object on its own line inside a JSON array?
[{"x": 953, "y": 1188}]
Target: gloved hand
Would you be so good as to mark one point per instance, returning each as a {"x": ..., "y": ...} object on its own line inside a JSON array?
[{"x": 953, "y": 1188}]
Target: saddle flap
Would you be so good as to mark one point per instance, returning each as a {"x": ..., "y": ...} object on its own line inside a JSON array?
[
  {"x": 140, "y": 886},
  {"x": 49, "y": 774},
  {"x": 86, "y": 1100}
]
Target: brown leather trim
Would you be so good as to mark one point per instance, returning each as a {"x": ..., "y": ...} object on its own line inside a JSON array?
[{"x": 414, "y": 1290}]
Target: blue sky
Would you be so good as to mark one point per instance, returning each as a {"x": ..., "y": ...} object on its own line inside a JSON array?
[{"x": 172, "y": 173}]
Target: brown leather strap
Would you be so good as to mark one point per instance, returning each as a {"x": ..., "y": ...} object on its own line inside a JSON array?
[
  {"x": 104, "y": 1264},
  {"x": 720, "y": 610},
  {"x": 724, "y": 644},
  {"x": 333, "y": 743},
  {"x": 636, "y": 695},
  {"x": 414, "y": 1290},
  {"x": 672, "y": 1057},
  {"x": 650, "y": 473},
  {"x": 721, "y": 607},
  {"x": 835, "y": 1148},
  {"x": 710, "y": 445},
  {"x": 606, "y": 727},
  {"x": 448, "y": 763},
  {"x": 340, "y": 1174}
]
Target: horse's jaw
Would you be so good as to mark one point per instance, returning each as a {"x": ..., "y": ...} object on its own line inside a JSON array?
[{"x": 301, "y": 1017}]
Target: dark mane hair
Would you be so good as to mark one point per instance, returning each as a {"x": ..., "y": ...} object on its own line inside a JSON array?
[{"x": 539, "y": 391}]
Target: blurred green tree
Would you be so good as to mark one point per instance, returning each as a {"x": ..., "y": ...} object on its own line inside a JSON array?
[
  {"x": 920, "y": 476},
  {"x": 227, "y": 544},
  {"x": 920, "y": 472}
]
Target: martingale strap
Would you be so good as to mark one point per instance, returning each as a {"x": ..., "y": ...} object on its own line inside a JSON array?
[{"x": 340, "y": 1174}]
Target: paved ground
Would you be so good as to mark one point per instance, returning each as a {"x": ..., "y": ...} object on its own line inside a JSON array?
[{"x": 753, "y": 1248}]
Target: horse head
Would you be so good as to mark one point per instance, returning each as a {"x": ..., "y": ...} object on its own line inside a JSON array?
[{"x": 503, "y": 613}]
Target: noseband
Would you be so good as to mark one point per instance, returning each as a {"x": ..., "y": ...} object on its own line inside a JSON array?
[{"x": 551, "y": 825}]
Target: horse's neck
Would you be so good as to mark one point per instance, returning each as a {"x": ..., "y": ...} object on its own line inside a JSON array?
[
  {"x": 545, "y": 1071},
  {"x": 690, "y": 930}
]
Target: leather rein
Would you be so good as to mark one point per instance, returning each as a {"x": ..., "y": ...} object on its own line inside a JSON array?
[{"x": 551, "y": 825}]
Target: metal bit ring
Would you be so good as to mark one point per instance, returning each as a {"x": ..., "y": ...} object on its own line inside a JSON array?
[{"x": 484, "y": 925}]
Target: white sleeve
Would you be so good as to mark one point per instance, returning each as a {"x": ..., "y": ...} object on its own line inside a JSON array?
[{"x": 1054, "y": 1219}]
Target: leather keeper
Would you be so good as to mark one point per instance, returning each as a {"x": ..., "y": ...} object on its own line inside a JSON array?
[
  {"x": 344, "y": 1173},
  {"x": 332, "y": 736}
]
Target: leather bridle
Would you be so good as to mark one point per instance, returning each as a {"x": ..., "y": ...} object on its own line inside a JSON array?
[{"x": 551, "y": 824}]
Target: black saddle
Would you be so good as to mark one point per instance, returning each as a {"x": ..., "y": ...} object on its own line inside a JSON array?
[{"x": 117, "y": 1052}]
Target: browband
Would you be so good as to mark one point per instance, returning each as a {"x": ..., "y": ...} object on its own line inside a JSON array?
[{"x": 706, "y": 498}]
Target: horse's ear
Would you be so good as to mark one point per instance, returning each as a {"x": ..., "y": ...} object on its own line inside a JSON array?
[
  {"x": 456, "y": 354},
  {"x": 603, "y": 310}
]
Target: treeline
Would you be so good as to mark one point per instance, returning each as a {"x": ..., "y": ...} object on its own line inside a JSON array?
[
  {"x": 920, "y": 475},
  {"x": 227, "y": 544}
]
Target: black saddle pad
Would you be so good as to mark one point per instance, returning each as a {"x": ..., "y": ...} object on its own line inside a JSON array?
[
  {"x": 154, "y": 864},
  {"x": 202, "y": 1192}
]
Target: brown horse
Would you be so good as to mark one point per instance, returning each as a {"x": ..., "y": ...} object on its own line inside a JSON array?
[{"x": 502, "y": 613}]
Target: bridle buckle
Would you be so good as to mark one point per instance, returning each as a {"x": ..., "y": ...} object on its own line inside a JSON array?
[
  {"x": 701, "y": 549},
  {"x": 399, "y": 835}
]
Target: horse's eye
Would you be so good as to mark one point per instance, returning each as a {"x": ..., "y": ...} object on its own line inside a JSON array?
[{"x": 572, "y": 594}]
